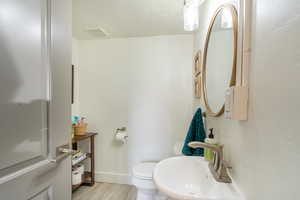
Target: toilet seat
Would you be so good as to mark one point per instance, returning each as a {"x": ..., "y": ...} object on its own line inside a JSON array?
[{"x": 144, "y": 171}]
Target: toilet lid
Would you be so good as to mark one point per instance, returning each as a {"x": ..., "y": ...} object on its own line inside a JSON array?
[{"x": 144, "y": 170}]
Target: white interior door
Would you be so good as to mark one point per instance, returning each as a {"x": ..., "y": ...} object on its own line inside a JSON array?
[{"x": 35, "y": 99}]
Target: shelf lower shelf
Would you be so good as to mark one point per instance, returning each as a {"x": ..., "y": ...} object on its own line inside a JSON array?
[{"x": 86, "y": 180}]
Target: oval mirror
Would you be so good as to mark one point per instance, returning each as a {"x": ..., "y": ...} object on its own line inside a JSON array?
[{"x": 219, "y": 59}]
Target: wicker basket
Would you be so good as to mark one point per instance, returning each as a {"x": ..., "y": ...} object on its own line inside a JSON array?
[{"x": 80, "y": 129}]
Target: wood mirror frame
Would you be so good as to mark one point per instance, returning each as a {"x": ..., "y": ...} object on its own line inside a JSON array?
[{"x": 209, "y": 111}]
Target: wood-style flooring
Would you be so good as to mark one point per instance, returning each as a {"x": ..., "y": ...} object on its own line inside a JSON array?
[{"x": 105, "y": 191}]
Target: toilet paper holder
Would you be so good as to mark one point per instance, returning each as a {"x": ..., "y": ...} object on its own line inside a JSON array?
[
  {"x": 120, "y": 130},
  {"x": 121, "y": 135}
]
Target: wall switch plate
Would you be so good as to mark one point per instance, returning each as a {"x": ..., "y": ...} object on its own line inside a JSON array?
[{"x": 236, "y": 103}]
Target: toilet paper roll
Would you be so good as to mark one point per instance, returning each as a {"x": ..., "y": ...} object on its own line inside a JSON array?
[
  {"x": 80, "y": 169},
  {"x": 121, "y": 137}
]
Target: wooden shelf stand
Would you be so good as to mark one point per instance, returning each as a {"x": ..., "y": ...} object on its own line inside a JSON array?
[{"x": 88, "y": 178}]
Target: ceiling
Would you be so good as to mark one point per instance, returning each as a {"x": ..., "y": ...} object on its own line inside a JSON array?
[{"x": 127, "y": 18}]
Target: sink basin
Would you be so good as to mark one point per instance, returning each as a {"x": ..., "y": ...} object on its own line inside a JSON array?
[{"x": 189, "y": 178}]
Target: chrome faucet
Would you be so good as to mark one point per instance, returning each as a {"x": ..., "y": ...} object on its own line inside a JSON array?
[{"x": 218, "y": 166}]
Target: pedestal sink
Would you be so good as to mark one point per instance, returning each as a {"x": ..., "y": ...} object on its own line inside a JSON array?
[{"x": 189, "y": 178}]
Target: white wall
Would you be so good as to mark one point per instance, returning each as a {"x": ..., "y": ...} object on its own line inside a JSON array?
[
  {"x": 264, "y": 151},
  {"x": 144, "y": 84}
]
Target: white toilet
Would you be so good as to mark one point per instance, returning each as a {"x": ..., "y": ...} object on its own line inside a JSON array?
[{"x": 142, "y": 179}]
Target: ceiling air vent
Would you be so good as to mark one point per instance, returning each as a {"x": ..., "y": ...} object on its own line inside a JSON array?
[{"x": 97, "y": 32}]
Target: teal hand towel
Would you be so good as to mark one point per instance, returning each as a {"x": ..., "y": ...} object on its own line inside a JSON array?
[{"x": 196, "y": 133}]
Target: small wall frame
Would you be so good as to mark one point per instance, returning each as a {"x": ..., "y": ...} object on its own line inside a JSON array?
[
  {"x": 198, "y": 63},
  {"x": 198, "y": 74}
]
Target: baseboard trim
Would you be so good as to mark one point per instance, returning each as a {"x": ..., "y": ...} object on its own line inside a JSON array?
[{"x": 111, "y": 177}]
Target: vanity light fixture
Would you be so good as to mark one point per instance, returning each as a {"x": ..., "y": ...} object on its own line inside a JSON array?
[{"x": 191, "y": 14}]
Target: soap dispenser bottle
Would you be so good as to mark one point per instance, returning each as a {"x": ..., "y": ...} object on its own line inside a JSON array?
[{"x": 209, "y": 154}]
